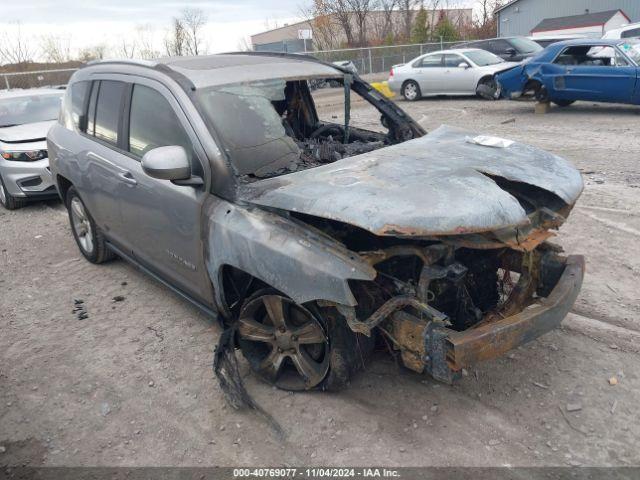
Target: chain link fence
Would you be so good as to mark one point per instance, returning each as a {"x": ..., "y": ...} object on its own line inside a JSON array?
[
  {"x": 370, "y": 60},
  {"x": 35, "y": 79}
]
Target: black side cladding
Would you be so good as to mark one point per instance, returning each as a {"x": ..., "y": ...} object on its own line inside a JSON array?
[{"x": 225, "y": 367}]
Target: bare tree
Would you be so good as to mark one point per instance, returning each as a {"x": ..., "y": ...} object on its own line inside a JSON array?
[
  {"x": 145, "y": 43},
  {"x": 175, "y": 43},
  {"x": 126, "y": 49},
  {"x": 360, "y": 10},
  {"x": 383, "y": 22},
  {"x": 56, "y": 48},
  {"x": 14, "y": 48},
  {"x": 95, "y": 52},
  {"x": 434, "y": 8},
  {"x": 244, "y": 44},
  {"x": 194, "y": 20},
  {"x": 484, "y": 25},
  {"x": 324, "y": 27},
  {"x": 407, "y": 7}
]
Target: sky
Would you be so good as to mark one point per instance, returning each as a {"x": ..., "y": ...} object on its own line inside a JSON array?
[{"x": 91, "y": 22}]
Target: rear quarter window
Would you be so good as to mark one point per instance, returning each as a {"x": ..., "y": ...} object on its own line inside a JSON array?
[
  {"x": 633, "y": 33},
  {"x": 74, "y": 111},
  {"x": 108, "y": 110}
]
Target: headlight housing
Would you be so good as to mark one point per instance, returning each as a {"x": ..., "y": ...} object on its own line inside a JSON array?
[{"x": 28, "y": 156}]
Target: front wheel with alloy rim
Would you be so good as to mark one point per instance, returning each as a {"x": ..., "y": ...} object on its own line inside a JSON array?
[
  {"x": 411, "y": 91},
  {"x": 7, "y": 200},
  {"x": 89, "y": 238},
  {"x": 286, "y": 344}
]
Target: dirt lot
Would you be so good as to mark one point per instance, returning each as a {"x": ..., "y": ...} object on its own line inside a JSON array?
[{"x": 132, "y": 384}]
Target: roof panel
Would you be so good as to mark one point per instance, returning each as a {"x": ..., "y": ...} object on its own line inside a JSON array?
[{"x": 215, "y": 70}]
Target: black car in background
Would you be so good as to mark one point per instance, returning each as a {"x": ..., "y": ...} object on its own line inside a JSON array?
[{"x": 511, "y": 49}]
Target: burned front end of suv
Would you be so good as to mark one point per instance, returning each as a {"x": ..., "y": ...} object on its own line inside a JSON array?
[{"x": 438, "y": 243}]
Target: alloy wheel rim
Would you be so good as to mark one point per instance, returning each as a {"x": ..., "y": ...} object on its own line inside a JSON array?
[
  {"x": 283, "y": 342},
  {"x": 81, "y": 225},
  {"x": 410, "y": 91},
  {"x": 3, "y": 194}
]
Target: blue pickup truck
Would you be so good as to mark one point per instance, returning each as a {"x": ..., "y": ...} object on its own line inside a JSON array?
[{"x": 597, "y": 70}]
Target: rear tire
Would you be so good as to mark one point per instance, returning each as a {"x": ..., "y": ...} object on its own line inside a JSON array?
[
  {"x": 88, "y": 236},
  {"x": 564, "y": 103},
  {"x": 7, "y": 200},
  {"x": 411, "y": 91}
]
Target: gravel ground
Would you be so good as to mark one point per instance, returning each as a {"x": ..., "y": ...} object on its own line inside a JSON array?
[{"x": 132, "y": 385}]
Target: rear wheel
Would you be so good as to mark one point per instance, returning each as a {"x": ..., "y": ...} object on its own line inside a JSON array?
[
  {"x": 7, "y": 200},
  {"x": 411, "y": 91},
  {"x": 88, "y": 236},
  {"x": 563, "y": 103}
]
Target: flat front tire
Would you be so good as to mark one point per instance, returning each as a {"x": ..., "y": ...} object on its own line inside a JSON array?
[
  {"x": 87, "y": 235},
  {"x": 298, "y": 347},
  {"x": 411, "y": 91}
]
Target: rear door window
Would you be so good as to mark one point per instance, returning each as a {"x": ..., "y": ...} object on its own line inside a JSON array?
[
  {"x": 77, "y": 109},
  {"x": 108, "y": 108},
  {"x": 431, "y": 61}
]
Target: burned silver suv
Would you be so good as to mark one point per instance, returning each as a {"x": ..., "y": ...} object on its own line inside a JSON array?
[{"x": 312, "y": 238}]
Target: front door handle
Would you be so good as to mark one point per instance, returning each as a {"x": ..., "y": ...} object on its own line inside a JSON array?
[{"x": 127, "y": 178}]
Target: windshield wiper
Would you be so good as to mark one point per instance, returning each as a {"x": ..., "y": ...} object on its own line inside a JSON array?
[{"x": 9, "y": 125}]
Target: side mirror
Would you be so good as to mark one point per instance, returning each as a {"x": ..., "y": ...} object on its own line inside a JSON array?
[
  {"x": 511, "y": 52},
  {"x": 464, "y": 65},
  {"x": 167, "y": 163}
]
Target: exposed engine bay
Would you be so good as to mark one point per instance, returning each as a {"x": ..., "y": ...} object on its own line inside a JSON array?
[{"x": 424, "y": 291}]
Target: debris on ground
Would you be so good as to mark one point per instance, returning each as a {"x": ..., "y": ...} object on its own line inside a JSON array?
[
  {"x": 2, "y": 449},
  {"x": 105, "y": 409},
  {"x": 510, "y": 120},
  {"x": 151, "y": 383},
  {"x": 225, "y": 367},
  {"x": 118, "y": 298},
  {"x": 614, "y": 405},
  {"x": 540, "y": 385},
  {"x": 80, "y": 309},
  {"x": 613, "y": 381},
  {"x": 574, "y": 407}
]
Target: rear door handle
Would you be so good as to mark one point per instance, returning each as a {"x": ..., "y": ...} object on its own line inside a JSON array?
[{"x": 127, "y": 178}]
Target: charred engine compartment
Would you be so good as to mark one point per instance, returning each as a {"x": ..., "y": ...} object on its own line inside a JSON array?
[{"x": 426, "y": 290}]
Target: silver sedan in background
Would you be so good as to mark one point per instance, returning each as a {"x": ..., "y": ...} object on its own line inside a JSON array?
[{"x": 465, "y": 71}]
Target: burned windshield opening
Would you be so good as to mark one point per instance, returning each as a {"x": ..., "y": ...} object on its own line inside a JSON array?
[{"x": 270, "y": 128}]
